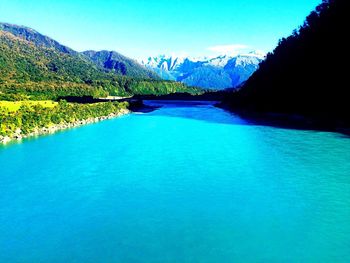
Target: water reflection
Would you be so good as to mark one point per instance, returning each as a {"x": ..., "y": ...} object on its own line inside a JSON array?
[
  {"x": 204, "y": 111},
  {"x": 198, "y": 110}
]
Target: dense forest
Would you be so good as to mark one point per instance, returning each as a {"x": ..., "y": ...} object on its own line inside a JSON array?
[
  {"x": 30, "y": 117},
  {"x": 305, "y": 74}
]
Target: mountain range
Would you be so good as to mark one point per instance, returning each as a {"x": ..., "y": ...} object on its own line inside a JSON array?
[
  {"x": 106, "y": 60},
  {"x": 219, "y": 72},
  {"x": 34, "y": 65}
]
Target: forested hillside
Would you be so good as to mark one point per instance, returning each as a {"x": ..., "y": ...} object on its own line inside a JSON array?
[
  {"x": 305, "y": 74},
  {"x": 35, "y": 37}
]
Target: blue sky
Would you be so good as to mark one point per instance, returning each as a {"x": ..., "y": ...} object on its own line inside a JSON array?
[{"x": 141, "y": 28}]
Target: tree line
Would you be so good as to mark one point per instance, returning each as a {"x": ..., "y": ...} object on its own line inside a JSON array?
[{"x": 28, "y": 118}]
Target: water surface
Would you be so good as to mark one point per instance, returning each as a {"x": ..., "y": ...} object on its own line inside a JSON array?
[{"x": 185, "y": 183}]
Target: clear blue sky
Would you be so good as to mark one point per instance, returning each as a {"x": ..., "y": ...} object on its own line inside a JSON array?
[{"x": 139, "y": 28}]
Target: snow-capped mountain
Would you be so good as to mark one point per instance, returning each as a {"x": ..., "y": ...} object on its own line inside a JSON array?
[
  {"x": 220, "y": 72},
  {"x": 165, "y": 63}
]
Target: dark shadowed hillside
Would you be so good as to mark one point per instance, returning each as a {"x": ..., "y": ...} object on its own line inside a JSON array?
[
  {"x": 117, "y": 63},
  {"x": 307, "y": 73}
]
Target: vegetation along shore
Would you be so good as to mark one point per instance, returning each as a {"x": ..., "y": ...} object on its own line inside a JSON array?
[{"x": 33, "y": 119}]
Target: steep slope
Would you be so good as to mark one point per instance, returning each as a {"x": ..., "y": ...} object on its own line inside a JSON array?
[
  {"x": 305, "y": 74},
  {"x": 35, "y": 37},
  {"x": 240, "y": 68},
  {"x": 117, "y": 63},
  {"x": 214, "y": 73}
]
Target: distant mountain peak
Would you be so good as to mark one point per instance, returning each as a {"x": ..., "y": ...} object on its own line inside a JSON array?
[{"x": 218, "y": 72}]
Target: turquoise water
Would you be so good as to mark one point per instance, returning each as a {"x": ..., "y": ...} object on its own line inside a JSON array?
[{"x": 185, "y": 183}]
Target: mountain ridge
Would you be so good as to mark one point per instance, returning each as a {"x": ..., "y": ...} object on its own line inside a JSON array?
[
  {"x": 120, "y": 64},
  {"x": 220, "y": 72},
  {"x": 35, "y": 37}
]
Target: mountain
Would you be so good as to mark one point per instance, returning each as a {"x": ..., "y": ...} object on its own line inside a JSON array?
[
  {"x": 306, "y": 74},
  {"x": 25, "y": 65},
  {"x": 35, "y": 37},
  {"x": 107, "y": 60},
  {"x": 210, "y": 73},
  {"x": 117, "y": 63},
  {"x": 33, "y": 65}
]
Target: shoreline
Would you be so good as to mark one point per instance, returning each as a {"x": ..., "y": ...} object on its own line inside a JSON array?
[
  {"x": 289, "y": 120},
  {"x": 18, "y": 136}
]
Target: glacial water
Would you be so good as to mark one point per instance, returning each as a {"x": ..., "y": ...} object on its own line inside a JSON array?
[{"x": 185, "y": 183}]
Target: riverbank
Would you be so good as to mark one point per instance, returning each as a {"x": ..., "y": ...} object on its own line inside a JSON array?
[{"x": 18, "y": 135}]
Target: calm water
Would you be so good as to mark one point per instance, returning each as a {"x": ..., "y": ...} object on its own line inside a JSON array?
[{"x": 185, "y": 183}]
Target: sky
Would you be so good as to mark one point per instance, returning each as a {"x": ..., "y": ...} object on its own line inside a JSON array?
[{"x": 143, "y": 28}]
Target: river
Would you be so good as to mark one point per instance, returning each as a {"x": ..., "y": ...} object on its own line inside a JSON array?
[{"x": 187, "y": 182}]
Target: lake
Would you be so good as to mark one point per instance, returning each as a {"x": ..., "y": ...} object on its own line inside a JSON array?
[{"x": 187, "y": 182}]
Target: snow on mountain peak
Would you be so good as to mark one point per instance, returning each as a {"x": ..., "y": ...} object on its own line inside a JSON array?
[
  {"x": 257, "y": 53},
  {"x": 218, "y": 72},
  {"x": 219, "y": 61}
]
